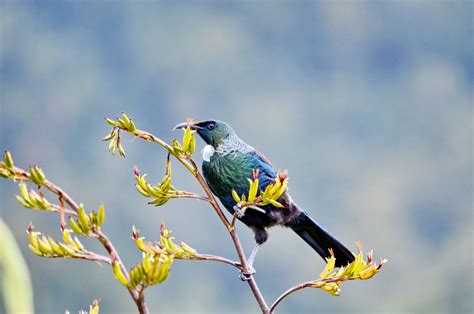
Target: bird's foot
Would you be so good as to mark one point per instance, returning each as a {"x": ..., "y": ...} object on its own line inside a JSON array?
[
  {"x": 246, "y": 275},
  {"x": 239, "y": 211}
]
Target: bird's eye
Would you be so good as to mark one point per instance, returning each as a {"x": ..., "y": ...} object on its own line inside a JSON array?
[{"x": 211, "y": 126}]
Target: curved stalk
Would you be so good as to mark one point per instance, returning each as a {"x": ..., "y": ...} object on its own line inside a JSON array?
[
  {"x": 208, "y": 257},
  {"x": 190, "y": 165}
]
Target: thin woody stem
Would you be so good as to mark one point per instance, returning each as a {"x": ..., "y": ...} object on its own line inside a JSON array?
[
  {"x": 293, "y": 289},
  {"x": 89, "y": 256},
  {"x": 151, "y": 138},
  {"x": 57, "y": 209},
  {"x": 303, "y": 285},
  {"x": 190, "y": 195},
  {"x": 207, "y": 257},
  {"x": 139, "y": 300},
  {"x": 191, "y": 166},
  {"x": 233, "y": 221}
]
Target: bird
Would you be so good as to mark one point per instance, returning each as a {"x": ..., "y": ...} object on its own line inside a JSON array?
[{"x": 228, "y": 163}]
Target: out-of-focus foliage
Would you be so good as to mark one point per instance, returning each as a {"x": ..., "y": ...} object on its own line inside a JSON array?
[
  {"x": 16, "y": 283},
  {"x": 368, "y": 104}
]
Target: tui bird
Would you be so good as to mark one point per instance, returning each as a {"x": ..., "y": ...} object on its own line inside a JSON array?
[{"x": 227, "y": 164}]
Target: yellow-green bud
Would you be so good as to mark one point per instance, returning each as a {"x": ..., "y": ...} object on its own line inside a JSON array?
[
  {"x": 112, "y": 146},
  {"x": 67, "y": 238},
  {"x": 111, "y": 122},
  {"x": 37, "y": 175},
  {"x": 7, "y": 158},
  {"x": 44, "y": 246},
  {"x": 23, "y": 202},
  {"x": 100, "y": 215},
  {"x": 78, "y": 244},
  {"x": 68, "y": 251},
  {"x": 35, "y": 250},
  {"x": 83, "y": 219},
  {"x": 75, "y": 227},
  {"x": 121, "y": 150},
  {"x": 235, "y": 196},
  {"x": 187, "y": 249},
  {"x": 119, "y": 275}
]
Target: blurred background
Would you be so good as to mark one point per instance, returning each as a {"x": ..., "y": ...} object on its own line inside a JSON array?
[{"x": 368, "y": 104}]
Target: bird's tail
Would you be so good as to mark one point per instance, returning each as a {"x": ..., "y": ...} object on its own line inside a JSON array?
[{"x": 319, "y": 239}]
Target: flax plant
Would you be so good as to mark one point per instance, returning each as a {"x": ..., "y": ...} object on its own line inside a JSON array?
[{"x": 157, "y": 257}]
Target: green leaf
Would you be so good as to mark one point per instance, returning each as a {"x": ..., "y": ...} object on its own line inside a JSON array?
[{"x": 15, "y": 275}]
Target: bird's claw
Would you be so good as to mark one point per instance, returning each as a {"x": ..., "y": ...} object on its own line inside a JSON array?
[
  {"x": 239, "y": 211},
  {"x": 246, "y": 275}
]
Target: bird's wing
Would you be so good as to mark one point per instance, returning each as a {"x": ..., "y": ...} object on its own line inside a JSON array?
[
  {"x": 263, "y": 158},
  {"x": 267, "y": 173}
]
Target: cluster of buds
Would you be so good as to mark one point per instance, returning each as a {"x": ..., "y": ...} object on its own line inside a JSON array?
[
  {"x": 7, "y": 170},
  {"x": 189, "y": 141},
  {"x": 165, "y": 246},
  {"x": 6, "y": 166},
  {"x": 161, "y": 192},
  {"x": 330, "y": 280},
  {"x": 93, "y": 308},
  {"x": 32, "y": 199},
  {"x": 118, "y": 273},
  {"x": 37, "y": 175},
  {"x": 85, "y": 222},
  {"x": 153, "y": 269},
  {"x": 156, "y": 262},
  {"x": 270, "y": 195},
  {"x": 45, "y": 246},
  {"x": 124, "y": 123}
]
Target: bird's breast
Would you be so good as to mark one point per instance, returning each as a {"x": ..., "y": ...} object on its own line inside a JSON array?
[{"x": 224, "y": 173}]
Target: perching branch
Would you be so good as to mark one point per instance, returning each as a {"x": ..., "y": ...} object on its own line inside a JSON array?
[
  {"x": 190, "y": 165},
  {"x": 207, "y": 257},
  {"x": 89, "y": 256}
]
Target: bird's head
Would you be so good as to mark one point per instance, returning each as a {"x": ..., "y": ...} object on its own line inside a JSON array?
[{"x": 213, "y": 132}]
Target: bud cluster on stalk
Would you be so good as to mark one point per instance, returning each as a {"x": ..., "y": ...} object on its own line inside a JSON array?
[
  {"x": 32, "y": 199},
  {"x": 85, "y": 222},
  {"x": 37, "y": 175},
  {"x": 165, "y": 246},
  {"x": 123, "y": 123},
  {"x": 45, "y": 246},
  {"x": 6, "y": 166},
  {"x": 93, "y": 308},
  {"x": 189, "y": 142},
  {"x": 153, "y": 269},
  {"x": 359, "y": 269},
  {"x": 118, "y": 273},
  {"x": 156, "y": 262},
  {"x": 270, "y": 195},
  {"x": 161, "y": 192}
]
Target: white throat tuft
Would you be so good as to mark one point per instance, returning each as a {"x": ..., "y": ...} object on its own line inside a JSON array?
[{"x": 207, "y": 152}]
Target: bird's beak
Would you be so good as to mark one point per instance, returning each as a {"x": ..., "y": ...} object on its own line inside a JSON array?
[{"x": 193, "y": 126}]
